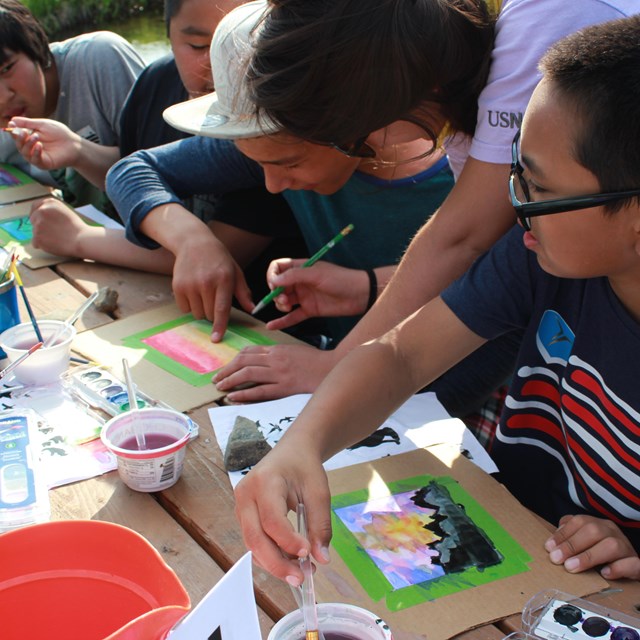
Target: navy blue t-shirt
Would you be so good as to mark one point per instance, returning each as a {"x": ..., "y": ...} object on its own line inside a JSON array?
[{"x": 569, "y": 436}]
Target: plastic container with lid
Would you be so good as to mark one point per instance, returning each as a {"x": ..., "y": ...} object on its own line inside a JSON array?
[{"x": 23, "y": 493}]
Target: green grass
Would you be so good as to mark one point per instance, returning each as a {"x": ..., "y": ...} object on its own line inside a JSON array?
[{"x": 57, "y": 16}]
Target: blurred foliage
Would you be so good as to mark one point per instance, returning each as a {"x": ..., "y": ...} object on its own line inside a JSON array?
[{"x": 60, "y": 16}]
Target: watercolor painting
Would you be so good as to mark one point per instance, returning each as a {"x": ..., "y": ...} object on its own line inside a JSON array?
[
  {"x": 425, "y": 539},
  {"x": 7, "y": 179},
  {"x": 18, "y": 230},
  {"x": 183, "y": 347}
]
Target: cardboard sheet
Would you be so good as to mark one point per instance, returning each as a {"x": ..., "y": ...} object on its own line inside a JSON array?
[
  {"x": 448, "y": 615},
  {"x": 15, "y": 185},
  {"x": 106, "y": 345}
]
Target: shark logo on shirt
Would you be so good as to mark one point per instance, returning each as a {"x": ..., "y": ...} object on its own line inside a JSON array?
[{"x": 554, "y": 338}]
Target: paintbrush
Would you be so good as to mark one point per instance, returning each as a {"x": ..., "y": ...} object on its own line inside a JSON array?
[
  {"x": 309, "y": 611},
  {"x": 133, "y": 407},
  {"x": 52, "y": 339},
  {"x": 16, "y": 131},
  {"x": 309, "y": 263},
  {"x": 23, "y": 293},
  {"x": 10, "y": 367}
]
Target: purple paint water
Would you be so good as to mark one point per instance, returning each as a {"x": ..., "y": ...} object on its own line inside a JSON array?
[
  {"x": 24, "y": 345},
  {"x": 332, "y": 635},
  {"x": 152, "y": 440}
]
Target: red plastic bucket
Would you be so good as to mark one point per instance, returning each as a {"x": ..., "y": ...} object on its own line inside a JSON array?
[{"x": 86, "y": 580}]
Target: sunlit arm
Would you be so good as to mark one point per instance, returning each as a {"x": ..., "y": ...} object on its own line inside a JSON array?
[{"x": 376, "y": 378}]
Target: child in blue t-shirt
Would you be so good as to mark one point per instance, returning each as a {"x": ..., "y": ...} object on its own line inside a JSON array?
[{"x": 569, "y": 276}]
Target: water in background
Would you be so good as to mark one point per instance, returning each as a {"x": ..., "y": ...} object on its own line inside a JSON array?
[{"x": 145, "y": 31}]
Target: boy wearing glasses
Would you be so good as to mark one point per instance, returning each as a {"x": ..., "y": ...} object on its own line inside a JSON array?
[{"x": 569, "y": 437}]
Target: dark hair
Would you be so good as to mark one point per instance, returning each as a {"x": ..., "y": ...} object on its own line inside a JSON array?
[
  {"x": 597, "y": 70},
  {"x": 20, "y": 32},
  {"x": 171, "y": 10},
  {"x": 336, "y": 70}
]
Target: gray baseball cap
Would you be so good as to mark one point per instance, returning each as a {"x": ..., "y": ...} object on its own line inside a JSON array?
[{"x": 227, "y": 112}]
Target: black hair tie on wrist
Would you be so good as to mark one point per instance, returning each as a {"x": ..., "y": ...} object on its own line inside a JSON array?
[{"x": 373, "y": 288}]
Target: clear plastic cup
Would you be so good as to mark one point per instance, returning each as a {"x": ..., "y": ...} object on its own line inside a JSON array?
[
  {"x": 47, "y": 363},
  {"x": 336, "y": 621}
]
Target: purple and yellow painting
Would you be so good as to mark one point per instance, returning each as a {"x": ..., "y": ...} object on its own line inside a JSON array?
[
  {"x": 183, "y": 347},
  {"x": 393, "y": 532},
  {"x": 424, "y": 539},
  {"x": 7, "y": 179}
]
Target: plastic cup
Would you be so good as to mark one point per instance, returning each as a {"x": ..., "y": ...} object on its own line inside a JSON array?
[
  {"x": 9, "y": 312},
  {"x": 340, "y": 620},
  {"x": 46, "y": 364},
  {"x": 157, "y": 467}
]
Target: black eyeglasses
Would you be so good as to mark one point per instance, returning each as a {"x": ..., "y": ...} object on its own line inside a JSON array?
[
  {"x": 526, "y": 209},
  {"x": 569, "y": 616}
]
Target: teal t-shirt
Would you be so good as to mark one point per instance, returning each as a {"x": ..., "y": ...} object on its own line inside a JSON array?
[{"x": 386, "y": 214}]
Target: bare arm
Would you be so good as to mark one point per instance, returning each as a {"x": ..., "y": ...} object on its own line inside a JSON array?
[
  {"x": 61, "y": 231},
  {"x": 351, "y": 401}
]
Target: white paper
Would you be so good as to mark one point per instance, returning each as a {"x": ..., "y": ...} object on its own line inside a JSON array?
[
  {"x": 227, "y": 612},
  {"x": 69, "y": 449},
  {"x": 420, "y": 422},
  {"x": 89, "y": 211}
]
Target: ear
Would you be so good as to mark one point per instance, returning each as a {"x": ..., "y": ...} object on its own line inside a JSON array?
[{"x": 636, "y": 227}]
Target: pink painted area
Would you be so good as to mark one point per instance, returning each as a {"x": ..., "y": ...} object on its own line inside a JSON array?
[{"x": 191, "y": 348}]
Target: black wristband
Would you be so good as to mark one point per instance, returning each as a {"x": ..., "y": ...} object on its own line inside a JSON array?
[{"x": 373, "y": 288}]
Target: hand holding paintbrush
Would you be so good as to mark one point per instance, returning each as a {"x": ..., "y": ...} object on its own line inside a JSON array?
[{"x": 309, "y": 611}]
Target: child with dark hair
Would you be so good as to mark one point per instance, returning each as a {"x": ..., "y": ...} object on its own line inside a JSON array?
[
  {"x": 351, "y": 67},
  {"x": 384, "y": 195},
  {"x": 183, "y": 74},
  {"x": 62, "y": 100},
  {"x": 569, "y": 277},
  {"x": 234, "y": 219},
  {"x": 568, "y": 442}
]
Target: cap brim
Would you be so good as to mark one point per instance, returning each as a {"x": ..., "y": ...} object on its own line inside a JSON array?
[{"x": 204, "y": 117}]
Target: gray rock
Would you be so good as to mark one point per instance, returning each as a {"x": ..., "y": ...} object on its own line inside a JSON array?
[
  {"x": 246, "y": 445},
  {"x": 107, "y": 300}
]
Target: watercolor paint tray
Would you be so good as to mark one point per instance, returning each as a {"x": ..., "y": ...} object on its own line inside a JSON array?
[
  {"x": 554, "y": 615},
  {"x": 101, "y": 389}
]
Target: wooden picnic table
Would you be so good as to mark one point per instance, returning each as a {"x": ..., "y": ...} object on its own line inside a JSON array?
[{"x": 192, "y": 524}]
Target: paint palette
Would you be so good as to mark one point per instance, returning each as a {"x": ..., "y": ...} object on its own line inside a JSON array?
[
  {"x": 554, "y": 615},
  {"x": 100, "y": 388}
]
